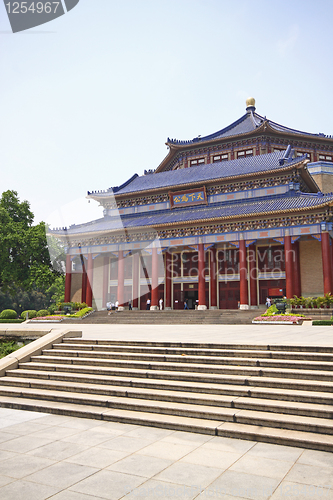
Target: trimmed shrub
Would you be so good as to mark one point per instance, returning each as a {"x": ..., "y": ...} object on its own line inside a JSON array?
[
  {"x": 322, "y": 322},
  {"x": 42, "y": 312},
  {"x": 80, "y": 305},
  {"x": 11, "y": 320},
  {"x": 8, "y": 314},
  {"x": 82, "y": 312},
  {"x": 32, "y": 314},
  {"x": 72, "y": 305}
]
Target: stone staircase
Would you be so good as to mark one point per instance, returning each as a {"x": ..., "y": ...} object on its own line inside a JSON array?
[
  {"x": 278, "y": 394},
  {"x": 175, "y": 317}
]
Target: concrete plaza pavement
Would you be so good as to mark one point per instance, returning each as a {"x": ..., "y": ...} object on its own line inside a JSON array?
[
  {"x": 304, "y": 334},
  {"x": 66, "y": 458}
]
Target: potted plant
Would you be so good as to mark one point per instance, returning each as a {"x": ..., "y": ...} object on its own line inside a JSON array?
[
  {"x": 309, "y": 302},
  {"x": 328, "y": 299},
  {"x": 302, "y": 302},
  {"x": 293, "y": 302}
]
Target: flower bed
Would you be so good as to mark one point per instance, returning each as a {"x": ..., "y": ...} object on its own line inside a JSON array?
[
  {"x": 279, "y": 319},
  {"x": 57, "y": 318}
]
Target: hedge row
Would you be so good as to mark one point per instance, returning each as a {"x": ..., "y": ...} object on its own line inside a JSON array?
[
  {"x": 11, "y": 320},
  {"x": 322, "y": 322},
  {"x": 82, "y": 312}
]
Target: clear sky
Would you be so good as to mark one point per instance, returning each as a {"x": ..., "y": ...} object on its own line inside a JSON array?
[{"x": 89, "y": 99}]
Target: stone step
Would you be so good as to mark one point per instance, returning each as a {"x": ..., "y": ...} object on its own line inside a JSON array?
[
  {"x": 253, "y": 381},
  {"x": 303, "y": 396},
  {"x": 219, "y": 316},
  {"x": 191, "y": 367},
  {"x": 246, "y": 402},
  {"x": 186, "y": 358},
  {"x": 202, "y": 345},
  {"x": 247, "y": 353},
  {"x": 279, "y": 393},
  {"x": 285, "y": 437},
  {"x": 221, "y": 414}
]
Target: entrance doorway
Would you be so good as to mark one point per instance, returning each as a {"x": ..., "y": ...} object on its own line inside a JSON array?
[
  {"x": 229, "y": 295},
  {"x": 274, "y": 289},
  {"x": 191, "y": 296}
]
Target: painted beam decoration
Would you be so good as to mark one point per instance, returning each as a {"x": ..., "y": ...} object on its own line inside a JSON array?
[{"x": 188, "y": 197}]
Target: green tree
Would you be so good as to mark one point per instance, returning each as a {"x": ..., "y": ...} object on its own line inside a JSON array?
[
  {"x": 56, "y": 292},
  {"x": 17, "y": 211},
  {"x": 26, "y": 271}
]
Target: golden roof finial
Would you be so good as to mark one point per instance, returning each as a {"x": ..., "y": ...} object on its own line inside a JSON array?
[{"x": 250, "y": 102}]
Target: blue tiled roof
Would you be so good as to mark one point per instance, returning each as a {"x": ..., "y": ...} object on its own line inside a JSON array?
[
  {"x": 259, "y": 206},
  {"x": 247, "y": 123},
  {"x": 202, "y": 173}
]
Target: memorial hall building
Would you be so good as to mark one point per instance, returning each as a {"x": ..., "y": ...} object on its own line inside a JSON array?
[{"x": 224, "y": 221}]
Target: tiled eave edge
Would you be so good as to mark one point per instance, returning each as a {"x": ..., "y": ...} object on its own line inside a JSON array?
[
  {"x": 285, "y": 168},
  {"x": 307, "y": 177},
  {"x": 265, "y": 128},
  {"x": 176, "y": 148},
  {"x": 156, "y": 227},
  {"x": 208, "y": 142}
]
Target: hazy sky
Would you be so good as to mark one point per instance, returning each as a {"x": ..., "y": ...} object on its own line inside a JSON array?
[{"x": 89, "y": 99}]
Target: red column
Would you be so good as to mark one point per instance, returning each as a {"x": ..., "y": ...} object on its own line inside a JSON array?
[
  {"x": 244, "y": 300},
  {"x": 201, "y": 271},
  {"x": 289, "y": 262},
  {"x": 105, "y": 280},
  {"x": 213, "y": 280},
  {"x": 135, "y": 291},
  {"x": 68, "y": 280},
  {"x": 89, "y": 280},
  {"x": 327, "y": 266},
  {"x": 253, "y": 275},
  {"x": 168, "y": 280},
  {"x": 121, "y": 276},
  {"x": 331, "y": 257},
  {"x": 84, "y": 282},
  {"x": 154, "y": 280},
  {"x": 297, "y": 270}
]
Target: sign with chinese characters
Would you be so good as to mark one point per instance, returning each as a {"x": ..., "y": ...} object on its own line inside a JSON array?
[{"x": 188, "y": 198}]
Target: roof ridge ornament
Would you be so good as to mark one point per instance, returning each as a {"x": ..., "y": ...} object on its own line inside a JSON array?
[{"x": 290, "y": 155}]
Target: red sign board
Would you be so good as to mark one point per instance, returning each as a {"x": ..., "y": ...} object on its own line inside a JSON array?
[{"x": 275, "y": 292}]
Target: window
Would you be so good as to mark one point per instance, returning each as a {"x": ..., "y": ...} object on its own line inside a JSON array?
[
  {"x": 271, "y": 258},
  {"x": 245, "y": 154},
  {"x": 197, "y": 161},
  {"x": 325, "y": 157},
  {"x": 228, "y": 261},
  {"x": 302, "y": 153},
  {"x": 221, "y": 157}
]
